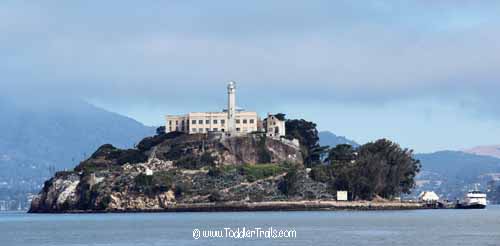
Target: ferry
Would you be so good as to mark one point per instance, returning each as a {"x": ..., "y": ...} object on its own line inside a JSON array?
[{"x": 473, "y": 200}]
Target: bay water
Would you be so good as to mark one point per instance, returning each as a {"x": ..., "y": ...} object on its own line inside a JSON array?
[{"x": 410, "y": 227}]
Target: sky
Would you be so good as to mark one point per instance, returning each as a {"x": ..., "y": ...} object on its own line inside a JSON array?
[{"x": 425, "y": 74}]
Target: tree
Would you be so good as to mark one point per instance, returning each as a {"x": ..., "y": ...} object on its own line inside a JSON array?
[
  {"x": 390, "y": 169},
  {"x": 307, "y": 134},
  {"x": 160, "y": 130},
  {"x": 280, "y": 116},
  {"x": 380, "y": 168},
  {"x": 341, "y": 153}
]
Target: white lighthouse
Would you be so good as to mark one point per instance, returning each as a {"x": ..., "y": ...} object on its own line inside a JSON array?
[{"x": 231, "y": 108}]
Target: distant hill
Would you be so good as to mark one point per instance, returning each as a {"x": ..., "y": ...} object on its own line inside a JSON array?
[
  {"x": 59, "y": 132},
  {"x": 458, "y": 165},
  {"x": 332, "y": 140},
  {"x": 487, "y": 150},
  {"x": 452, "y": 173}
]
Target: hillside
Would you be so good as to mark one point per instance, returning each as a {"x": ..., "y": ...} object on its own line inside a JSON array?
[
  {"x": 327, "y": 138},
  {"x": 214, "y": 172},
  {"x": 171, "y": 169},
  {"x": 56, "y": 133},
  {"x": 451, "y": 173},
  {"x": 486, "y": 150}
]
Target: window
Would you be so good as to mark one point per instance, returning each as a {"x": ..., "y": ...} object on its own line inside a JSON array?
[
  {"x": 207, "y": 129},
  {"x": 193, "y": 122},
  {"x": 200, "y": 122},
  {"x": 193, "y": 130},
  {"x": 176, "y": 122},
  {"x": 200, "y": 129},
  {"x": 252, "y": 121},
  {"x": 170, "y": 122},
  {"x": 238, "y": 129},
  {"x": 244, "y": 121},
  {"x": 237, "y": 121},
  {"x": 215, "y": 121},
  {"x": 215, "y": 129},
  {"x": 222, "y": 121},
  {"x": 207, "y": 122}
]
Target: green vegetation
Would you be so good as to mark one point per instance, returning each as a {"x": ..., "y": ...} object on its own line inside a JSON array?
[
  {"x": 109, "y": 158},
  {"x": 195, "y": 162},
  {"x": 262, "y": 151},
  {"x": 289, "y": 184},
  {"x": 380, "y": 168},
  {"x": 307, "y": 134},
  {"x": 158, "y": 182},
  {"x": 260, "y": 171},
  {"x": 252, "y": 173},
  {"x": 104, "y": 202},
  {"x": 182, "y": 187}
]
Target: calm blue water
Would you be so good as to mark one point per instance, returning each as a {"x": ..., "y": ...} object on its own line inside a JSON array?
[{"x": 419, "y": 227}]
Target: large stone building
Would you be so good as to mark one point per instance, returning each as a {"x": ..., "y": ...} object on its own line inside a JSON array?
[{"x": 231, "y": 121}]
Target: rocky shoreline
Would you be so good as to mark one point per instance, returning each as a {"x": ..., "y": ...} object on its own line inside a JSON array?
[
  {"x": 202, "y": 173},
  {"x": 316, "y": 205}
]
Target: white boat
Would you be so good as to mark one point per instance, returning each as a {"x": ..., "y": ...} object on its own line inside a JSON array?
[{"x": 473, "y": 200}]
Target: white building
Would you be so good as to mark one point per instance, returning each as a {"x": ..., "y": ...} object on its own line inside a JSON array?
[
  {"x": 273, "y": 126},
  {"x": 231, "y": 121},
  {"x": 428, "y": 197}
]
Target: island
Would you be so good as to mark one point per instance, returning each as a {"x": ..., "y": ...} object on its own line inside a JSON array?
[
  {"x": 233, "y": 161},
  {"x": 209, "y": 172}
]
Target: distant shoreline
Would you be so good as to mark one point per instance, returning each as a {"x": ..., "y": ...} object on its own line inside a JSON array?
[{"x": 315, "y": 205}]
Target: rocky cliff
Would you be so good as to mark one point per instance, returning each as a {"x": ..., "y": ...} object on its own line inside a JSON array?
[{"x": 172, "y": 170}]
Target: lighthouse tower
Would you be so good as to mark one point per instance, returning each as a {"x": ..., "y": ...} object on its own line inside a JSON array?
[{"x": 231, "y": 108}]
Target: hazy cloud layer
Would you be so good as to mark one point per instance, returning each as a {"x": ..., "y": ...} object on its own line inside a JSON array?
[{"x": 358, "y": 52}]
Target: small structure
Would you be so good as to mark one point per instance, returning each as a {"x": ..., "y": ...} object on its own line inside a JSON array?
[
  {"x": 428, "y": 197},
  {"x": 342, "y": 195},
  {"x": 274, "y": 126}
]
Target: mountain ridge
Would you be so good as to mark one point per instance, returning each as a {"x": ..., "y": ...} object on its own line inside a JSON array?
[{"x": 486, "y": 150}]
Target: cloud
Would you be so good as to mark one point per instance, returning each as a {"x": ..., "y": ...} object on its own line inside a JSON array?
[{"x": 340, "y": 51}]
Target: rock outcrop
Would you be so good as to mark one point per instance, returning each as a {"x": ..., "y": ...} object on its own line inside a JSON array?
[{"x": 172, "y": 170}]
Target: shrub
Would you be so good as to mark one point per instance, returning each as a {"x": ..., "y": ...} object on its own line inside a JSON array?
[
  {"x": 260, "y": 171},
  {"x": 289, "y": 184},
  {"x": 158, "y": 182},
  {"x": 215, "y": 196},
  {"x": 182, "y": 188},
  {"x": 195, "y": 162},
  {"x": 104, "y": 202}
]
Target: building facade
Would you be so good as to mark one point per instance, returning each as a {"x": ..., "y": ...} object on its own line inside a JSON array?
[
  {"x": 205, "y": 122},
  {"x": 274, "y": 126},
  {"x": 231, "y": 121}
]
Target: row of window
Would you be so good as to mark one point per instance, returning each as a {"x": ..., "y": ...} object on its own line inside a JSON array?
[
  {"x": 200, "y": 122},
  {"x": 214, "y": 129},
  {"x": 206, "y": 129},
  {"x": 176, "y": 122},
  {"x": 207, "y": 122},
  {"x": 171, "y": 129}
]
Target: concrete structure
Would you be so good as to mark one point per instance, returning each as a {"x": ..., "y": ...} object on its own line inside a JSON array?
[
  {"x": 428, "y": 197},
  {"x": 231, "y": 121},
  {"x": 231, "y": 107},
  {"x": 342, "y": 195}
]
